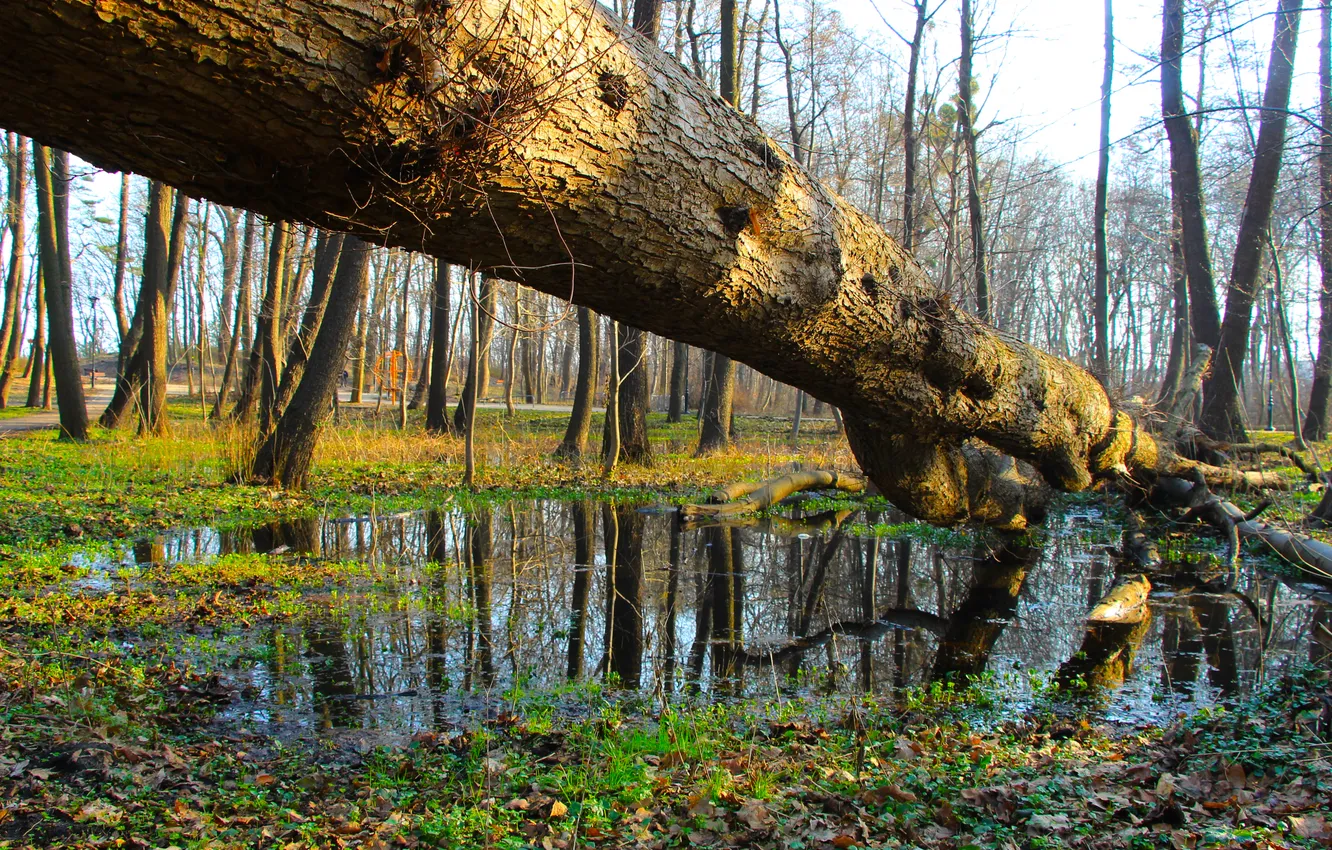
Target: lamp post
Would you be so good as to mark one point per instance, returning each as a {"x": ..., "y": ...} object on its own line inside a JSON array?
[{"x": 92, "y": 355}]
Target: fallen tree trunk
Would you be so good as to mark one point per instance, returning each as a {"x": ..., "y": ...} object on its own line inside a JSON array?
[
  {"x": 545, "y": 141},
  {"x": 751, "y": 496}
]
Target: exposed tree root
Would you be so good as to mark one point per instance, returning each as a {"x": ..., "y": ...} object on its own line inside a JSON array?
[{"x": 1260, "y": 449}]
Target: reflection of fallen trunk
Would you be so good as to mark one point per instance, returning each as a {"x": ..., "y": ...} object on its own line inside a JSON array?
[
  {"x": 749, "y": 497},
  {"x": 1139, "y": 549},
  {"x": 1125, "y": 603},
  {"x": 977, "y": 623},
  {"x": 887, "y": 621},
  {"x": 812, "y": 526},
  {"x": 1115, "y": 629}
]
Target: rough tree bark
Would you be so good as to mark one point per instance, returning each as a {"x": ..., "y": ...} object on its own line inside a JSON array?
[
  {"x": 1222, "y": 416},
  {"x": 673, "y": 209}
]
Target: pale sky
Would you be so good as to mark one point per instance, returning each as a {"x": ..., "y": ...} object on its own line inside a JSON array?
[{"x": 1046, "y": 77}]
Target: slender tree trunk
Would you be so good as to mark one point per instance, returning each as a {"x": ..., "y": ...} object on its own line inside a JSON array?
[
  {"x": 478, "y": 378},
  {"x": 147, "y": 363},
  {"x": 718, "y": 397},
  {"x": 130, "y": 366},
  {"x": 358, "y": 356},
  {"x": 201, "y": 326},
  {"x": 574, "y": 443},
  {"x": 797, "y": 416},
  {"x": 51, "y": 169},
  {"x": 269, "y": 339},
  {"x": 966, "y": 118},
  {"x": 631, "y": 398},
  {"x": 426, "y": 359},
  {"x": 910, "y": 144},
  {"x": 285, "y": 456},
  {"x": 1179, "y": 337},
  {"x": 1287, "y": 347},
  {"x": 37, "y": 356},
  {"x": 11, "y": 335},
  {"x": 1186, "y": 180},
  {"x": 327, "y": 251},
  {"x": 231, "y": 245},
  {"x": 610, "y": 450},
  {"x": 122, "y": 260},
  {"x": 679, "y": 369},
  {"x": 510, "y": 363},
  {"x": 467, "y": 405},
  {"x": 242, "y": 300},
  {"x": 1222, "y": 417},
  {"x": 437, "y": 400},
  {"x": 1315, "y": 422},
  {"x": 1101, "y": 297}
]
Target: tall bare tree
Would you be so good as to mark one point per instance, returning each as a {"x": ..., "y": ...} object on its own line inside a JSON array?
[
  {"x": 1315, "y": 421},
  {"x": 284, "y": 456},
  {"x": 51, "y": 169},
  {"x": 1222, "y": 416},
  {"x": 10, "y": 335},
  {"x": 437, "y": 402},
  {"x": 966, "y": 120},
  {"x": 1101, "y": 297}
]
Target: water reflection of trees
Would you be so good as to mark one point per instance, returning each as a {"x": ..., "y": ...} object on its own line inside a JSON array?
[{"x": 526, "y": 592}]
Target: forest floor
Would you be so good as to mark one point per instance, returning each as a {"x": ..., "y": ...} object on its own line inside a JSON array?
[{"x": 108, "y": 735}]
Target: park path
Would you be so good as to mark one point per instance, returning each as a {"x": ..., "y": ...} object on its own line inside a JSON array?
[
  {"x": 95, "y": 399},
  {"x": 41, "y": 419}
]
